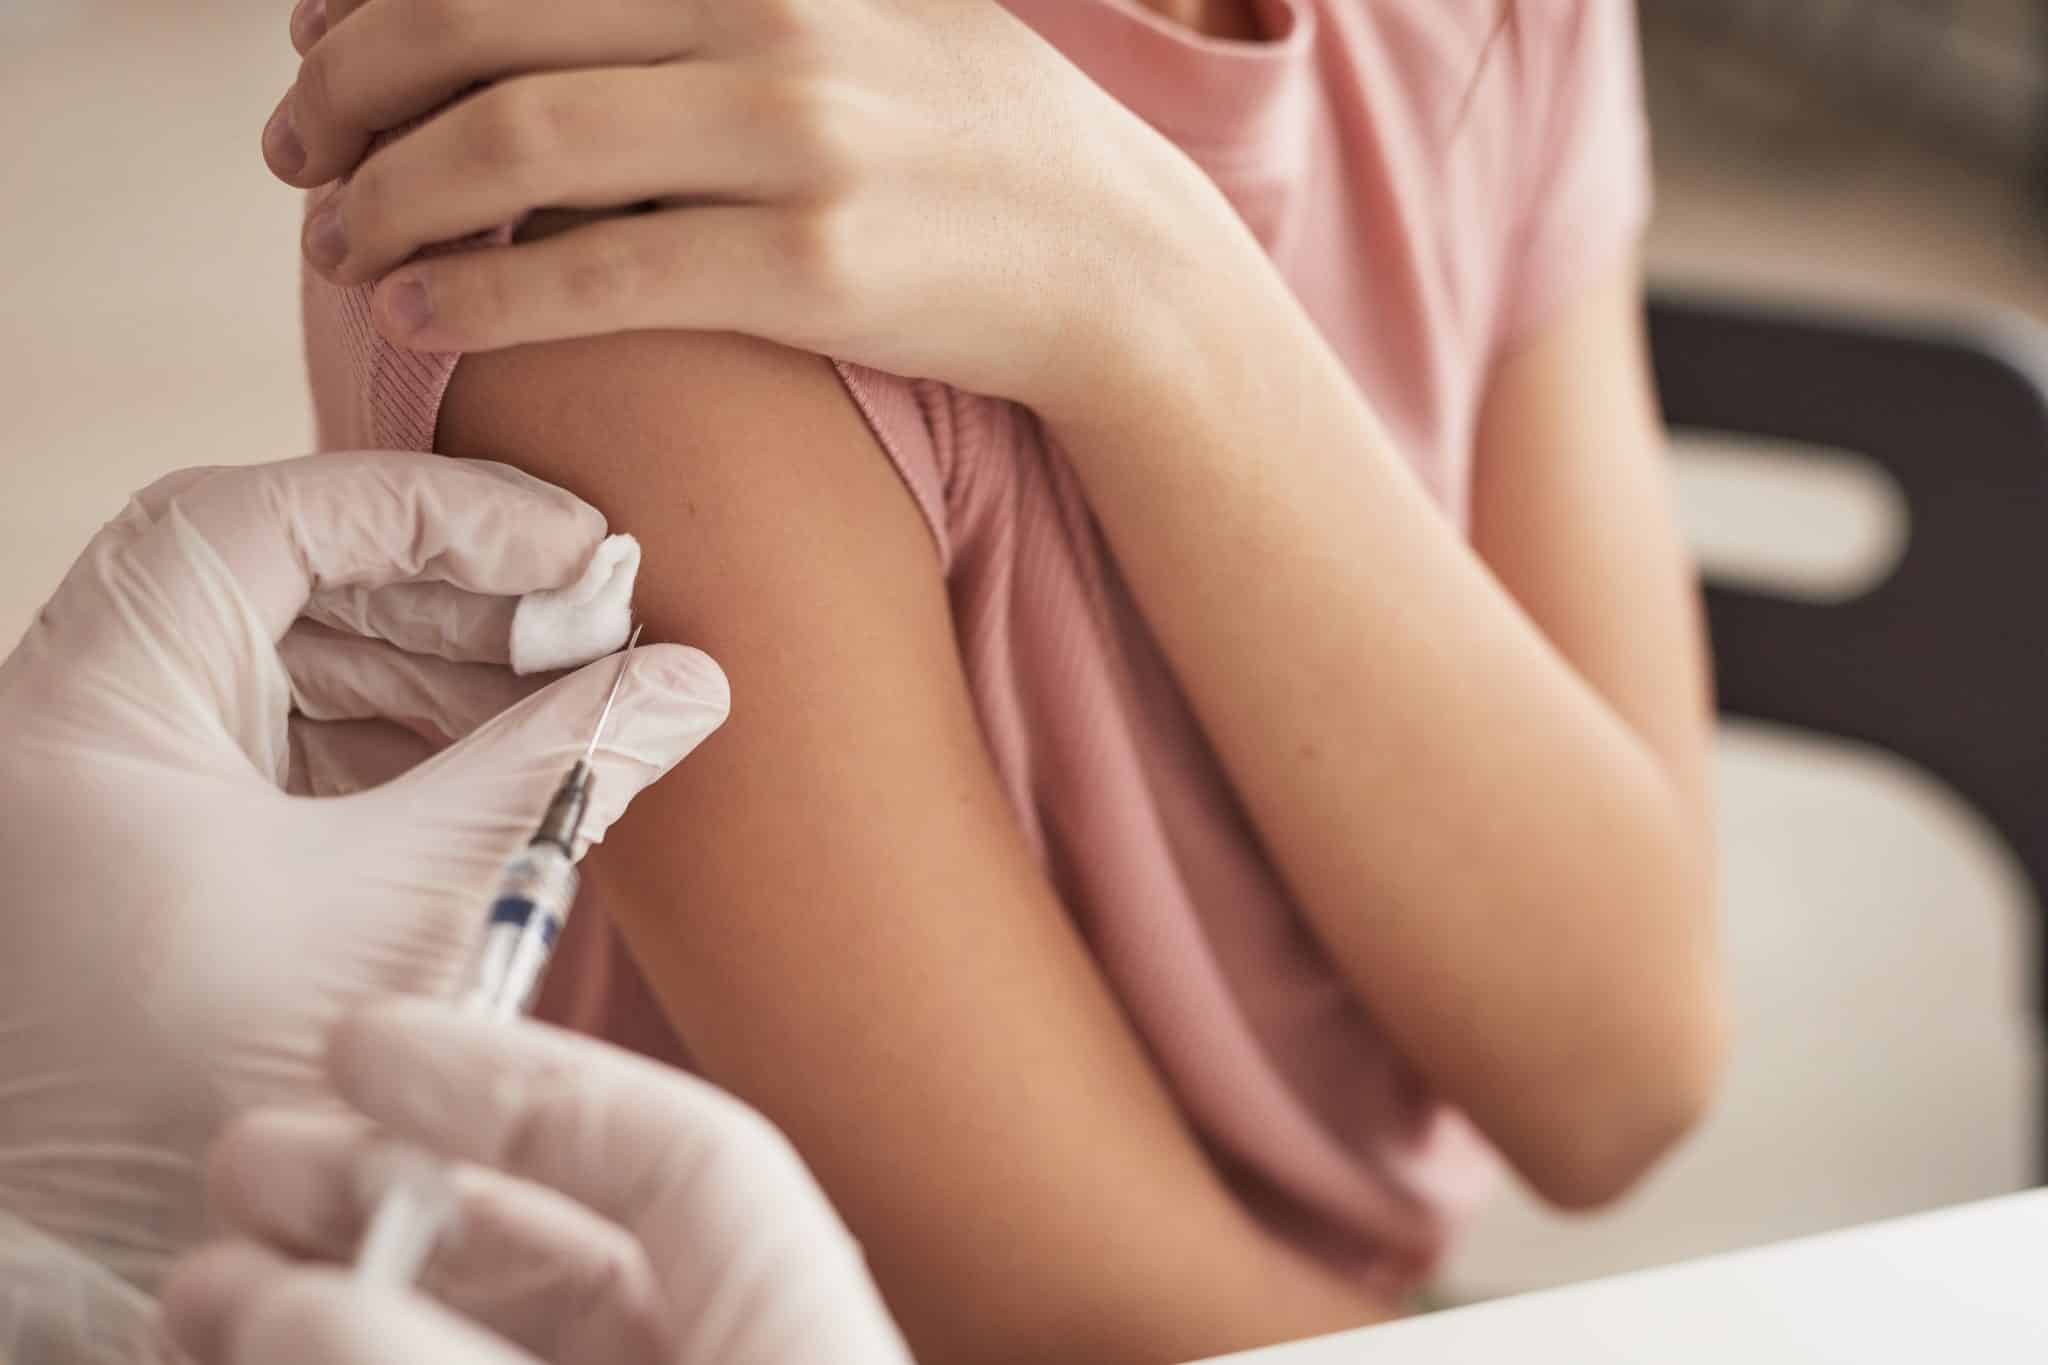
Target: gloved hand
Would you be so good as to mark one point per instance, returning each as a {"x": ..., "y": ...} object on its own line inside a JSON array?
[
  {"x": 182, "y": 932},
  {"x": 617, "y": 1213},
  {"x": 56, "y": 1304}
]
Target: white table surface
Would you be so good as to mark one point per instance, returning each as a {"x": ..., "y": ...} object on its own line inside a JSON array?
[{"x": 1962, "y": 1286}]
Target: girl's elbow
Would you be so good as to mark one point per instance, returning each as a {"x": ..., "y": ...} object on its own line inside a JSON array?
[
  {"x": 1640, "y": 1112},
  {"x": 1660, "y": 1056},
  {"x": 1611, "y": 1162}
]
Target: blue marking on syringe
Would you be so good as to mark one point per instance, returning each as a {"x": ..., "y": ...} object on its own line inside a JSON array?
[{"x": 518, "y": 912}]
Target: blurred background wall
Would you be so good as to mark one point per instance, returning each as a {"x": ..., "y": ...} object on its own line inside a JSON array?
[{"x": 1880, "y": 157}]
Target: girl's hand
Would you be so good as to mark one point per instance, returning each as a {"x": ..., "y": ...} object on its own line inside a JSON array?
[{"x": 924, "y": 186}]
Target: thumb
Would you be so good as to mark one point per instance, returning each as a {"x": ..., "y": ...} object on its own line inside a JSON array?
[{"x": 670, "y": 700}]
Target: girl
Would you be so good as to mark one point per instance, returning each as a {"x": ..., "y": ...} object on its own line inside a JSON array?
[{"x": 1221, "y": 728}]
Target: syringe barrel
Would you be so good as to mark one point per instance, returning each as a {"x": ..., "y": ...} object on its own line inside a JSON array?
[
  {"x": 527, "y": 915},
  {"x": 532, "y": 903}
]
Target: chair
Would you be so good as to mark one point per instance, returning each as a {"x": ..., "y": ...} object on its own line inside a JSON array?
[{"x": 1945, "y": 662}]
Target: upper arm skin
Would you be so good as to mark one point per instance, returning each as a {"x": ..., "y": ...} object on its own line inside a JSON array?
[{"x": 831, "y": 899}]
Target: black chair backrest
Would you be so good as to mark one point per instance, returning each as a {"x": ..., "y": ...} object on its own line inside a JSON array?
[{"x": 1946, "y": 661}]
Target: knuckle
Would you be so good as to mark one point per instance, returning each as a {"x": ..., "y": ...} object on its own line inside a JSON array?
[
  {"x": 539, "y": 1109},
  {"x": 518, "y": 131},
  {"x": 479, "y": 297},
  {"x": 814, "y": 119},
  {"x": 602, "y": 275},
  {"x": 448, "y": 25},
  {"x": 780, "y": 102},
  {"x": 472, "y": 295},
  {"x": 819, "y": 252},
  {"x": 781, "y": 21},
  {"x": 615, "y": 1280}
]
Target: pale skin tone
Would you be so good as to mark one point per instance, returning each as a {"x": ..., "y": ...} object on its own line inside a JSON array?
[{"x": 1480, "y": 767}]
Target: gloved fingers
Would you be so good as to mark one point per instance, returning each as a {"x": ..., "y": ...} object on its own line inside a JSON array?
[
  {"x": 671, "y": 700},
  {"x": 697, "y": 1177},
  {"x": 542, "y": 632},
  {"x": 545, "y": 1272},
  {"x": 532, "y": 1265},
  {"x": 207, "y": 1294},
  {"x": 239, "y": 1304},
  {"x": 338, "y": 676},
  {"x": 424, "y": 618},
  {"x": 292, "y": 1179},
  {"x": 152, "y": 640},
  {"x": 81, "y": 600},
  {"x": 58, "y": 1303},
  {"x": 145, "y": 507},
  {"x": 171, "y": 631},
  {"x": 342, "y": 757},
  {"x": 369, "y": 519}
]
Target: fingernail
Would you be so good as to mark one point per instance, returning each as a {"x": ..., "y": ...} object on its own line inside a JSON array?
[
  {"x": 408, "y": 307},
  {"x": 281, "y": 141},
  {"x": 326, "y": 238},
  {"x": 309, "y": 23}
]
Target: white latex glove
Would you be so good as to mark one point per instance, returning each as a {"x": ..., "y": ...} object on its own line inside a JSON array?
[
  {"x": 181, "y": 933},
  {"x": 617, "y": 1213},
  {"x": 56, "y": 1305}
]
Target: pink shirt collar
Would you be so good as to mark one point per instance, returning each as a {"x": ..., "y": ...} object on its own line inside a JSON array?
[{"x": 1236, "y": 106}]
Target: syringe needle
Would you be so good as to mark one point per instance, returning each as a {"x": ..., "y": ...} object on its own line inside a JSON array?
[{"x": 604, "y": 717}]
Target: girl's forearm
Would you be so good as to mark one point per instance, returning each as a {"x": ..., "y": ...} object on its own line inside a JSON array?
[{"x": 1495, "y": 860}]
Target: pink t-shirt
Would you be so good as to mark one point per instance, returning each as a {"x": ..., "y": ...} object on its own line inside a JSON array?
[{"x": 1425, "y": 247}]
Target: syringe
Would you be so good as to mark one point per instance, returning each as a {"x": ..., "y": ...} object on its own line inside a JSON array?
[{"x": 533, "y": 900}]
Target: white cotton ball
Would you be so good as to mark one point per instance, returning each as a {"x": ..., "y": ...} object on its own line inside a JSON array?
[{"x": 571, "y": 626}]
